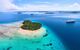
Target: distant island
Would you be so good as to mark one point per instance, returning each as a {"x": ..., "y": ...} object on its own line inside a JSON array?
[
  {"x": 28, "y": 25},
  {"x": 49, "y": 12}
]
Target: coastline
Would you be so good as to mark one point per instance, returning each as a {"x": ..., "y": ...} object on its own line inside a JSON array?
[
  {"x": 17, "y": 31},
  {"x": 29, "y": 34}
]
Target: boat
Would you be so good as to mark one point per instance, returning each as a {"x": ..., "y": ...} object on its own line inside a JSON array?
[{"x": 70, "y": 21}]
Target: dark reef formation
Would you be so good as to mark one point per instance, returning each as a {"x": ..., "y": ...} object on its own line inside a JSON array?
[
  {"x": 45, "y": 35},
  {"x": 9, "y": 48},
  {"x": 28, "y": 25}
]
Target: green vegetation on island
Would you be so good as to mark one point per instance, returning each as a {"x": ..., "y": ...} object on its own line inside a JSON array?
[{"x": 28, "y": 25}]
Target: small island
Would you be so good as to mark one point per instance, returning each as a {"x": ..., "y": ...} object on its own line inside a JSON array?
[
  {"x": 32, "y": 30},
  {"x": 28, "y": 25}
]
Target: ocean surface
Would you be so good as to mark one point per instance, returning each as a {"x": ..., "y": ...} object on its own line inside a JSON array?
[{"x": 62, "y": 36}]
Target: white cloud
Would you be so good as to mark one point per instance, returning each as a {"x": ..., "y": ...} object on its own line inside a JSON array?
[
  {"x": 39, "y": 2},
  {"x": 52, "y": 7},
  {"x": 41, "y": 7},
  {"x": 7, "y": 5},
  {"x": 75, "y": 6}
]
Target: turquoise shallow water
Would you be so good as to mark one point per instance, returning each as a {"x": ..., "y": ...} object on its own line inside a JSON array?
[{"x": 49, "y": 42}]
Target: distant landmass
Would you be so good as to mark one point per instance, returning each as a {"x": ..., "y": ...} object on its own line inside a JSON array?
[{"x": 43, "y": 12}]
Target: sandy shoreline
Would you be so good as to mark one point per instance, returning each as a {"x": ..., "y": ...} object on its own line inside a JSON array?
[
  {"x": 11, "y": 29},
  {"x": 33, "y": 34}
]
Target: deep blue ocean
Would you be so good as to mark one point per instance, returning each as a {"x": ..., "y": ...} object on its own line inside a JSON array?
[{"x": 69, "y": 34}]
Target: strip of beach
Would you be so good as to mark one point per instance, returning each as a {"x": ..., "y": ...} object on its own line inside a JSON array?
[
  {"x": 33, "y": 34},
  {"x": 10, "y": 30}
]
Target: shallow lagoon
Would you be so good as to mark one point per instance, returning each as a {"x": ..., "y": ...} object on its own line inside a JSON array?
[
  {"x": 49, "y": 42},
  {"x": 18, "y": 42}
]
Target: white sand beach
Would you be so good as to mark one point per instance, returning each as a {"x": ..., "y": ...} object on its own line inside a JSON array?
[
  {"x": 33, "y": 34},
  {"x": 11, "y": 29}
]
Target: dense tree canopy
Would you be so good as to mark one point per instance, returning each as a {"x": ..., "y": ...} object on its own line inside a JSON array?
[{"x": 28, "y": 25}]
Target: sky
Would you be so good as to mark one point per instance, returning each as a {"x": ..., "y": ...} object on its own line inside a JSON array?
[{"x": 39, "y": 5}]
